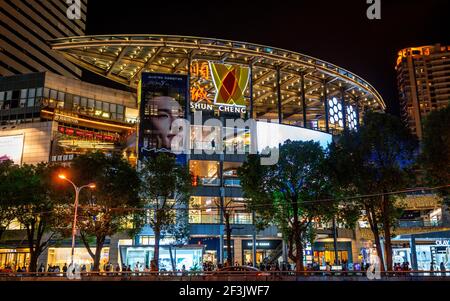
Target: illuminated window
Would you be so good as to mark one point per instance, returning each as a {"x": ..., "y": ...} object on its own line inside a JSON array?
[
  {"x": 204, "y": 210},
  {"x": 205, "y": 173}
]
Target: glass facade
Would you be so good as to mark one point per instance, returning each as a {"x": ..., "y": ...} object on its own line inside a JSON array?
[
  {"x": 170, "y": 257},
  {"x": 205, "y": 173},
  {"x": 204, "y": 210}
]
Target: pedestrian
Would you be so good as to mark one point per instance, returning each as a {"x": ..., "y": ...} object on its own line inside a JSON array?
[
  {"x": 65, "y": 268},
  {"x": 442, "y": 268},
  {"x": 41, "y": 268}
]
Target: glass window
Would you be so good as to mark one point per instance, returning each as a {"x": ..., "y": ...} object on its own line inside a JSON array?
[
  {"x": 23, "y": 93},
  {"x": 61, "y": 96},
  {"x": 120, "y": 109},
  {"x": 238, "y": 211},
  {"x": 105, "y": 107},
  {"x": 205, "y": 173},
  {"x": 46, "y": 92},
  {"x": 2, "y": 95},
  {"x": 9, "y": 95},
  {"x": 112, "y": 108},
  {"x": 39, "y": 92},
  {"x": 30, "y": 102},
  {"x": 32, "y": 92},
  {"x": 230, "y": 177},
  {"x": 83, "y": 102},
  {"x": 98, "y": 105},
  {"x": 53, "y": 94},
  {"x": 204, "y": 210},
  {"x": 91, "y": 103}
]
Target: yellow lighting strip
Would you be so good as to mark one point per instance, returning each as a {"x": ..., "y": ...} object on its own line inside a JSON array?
[{"x": 89, "y": 121}]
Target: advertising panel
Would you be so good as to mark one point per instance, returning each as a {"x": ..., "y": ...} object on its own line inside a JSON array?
[
  {"x": 163, "y": 98},
  {"x": 11, "y": 148}
]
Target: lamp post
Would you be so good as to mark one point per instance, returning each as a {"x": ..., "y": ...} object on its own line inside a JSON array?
[{"x": 74, "y": 225}]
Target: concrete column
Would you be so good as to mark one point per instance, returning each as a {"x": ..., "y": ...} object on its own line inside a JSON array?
[
  {"x": 284, "y": 251},
  {"x": 114, "y": 249},
  {"x": 412, "y": 244},
  {"x": 221, "y": 246},
  {"x": 237, "y": 250}
]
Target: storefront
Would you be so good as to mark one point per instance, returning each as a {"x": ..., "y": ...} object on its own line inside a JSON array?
[
  {"x": 323, "y": 252},
  {"x": 266, "y": 250},
  {"x": 171, "y": 257},
  {"x": 14, "y": 258},
  {"x": 212, "y": 248},
  {"x": 61, "y": 256},
  {"x": 432, "y": 250}
]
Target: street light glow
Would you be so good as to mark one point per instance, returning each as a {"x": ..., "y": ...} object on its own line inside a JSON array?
[
  {"x": 61, "y": 176},
  {"x": 92, "y": 186}
]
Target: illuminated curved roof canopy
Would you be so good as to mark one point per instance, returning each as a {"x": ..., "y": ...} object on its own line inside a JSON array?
[{"x": 123, "y": 58}]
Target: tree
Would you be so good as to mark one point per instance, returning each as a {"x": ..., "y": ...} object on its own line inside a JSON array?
[
  {"x": 375, "y": 160},
  {"x": 287, "y": 194},
  {"x": 30, "y": 193},
  {"x": 226, "y": 208},
  {"x": 110, "y": 207},
  {"x": 6, "y": 210},
  {"x": 166, "y": 187},
  {"x": 435, "y": 156}
]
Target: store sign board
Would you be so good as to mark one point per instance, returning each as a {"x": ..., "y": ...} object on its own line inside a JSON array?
[
  {"x": 442, "y": 242},
  {"x": 11, "y": 148},
  {"x": 230, "y": 82}
]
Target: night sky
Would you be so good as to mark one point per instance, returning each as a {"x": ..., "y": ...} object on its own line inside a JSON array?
[{"x": 337, "y": 31}]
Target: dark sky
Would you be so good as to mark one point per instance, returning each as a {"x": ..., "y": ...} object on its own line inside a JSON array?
[{"x": 337, "y": 31}]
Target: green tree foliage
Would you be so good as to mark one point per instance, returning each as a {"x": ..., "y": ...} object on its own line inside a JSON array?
[
  {"x": 166, "y": 187},
  {"x": 29, "y": 192},
  {"x": 288, "y": 193},
  {"x": 6, "y": 210},
  {"x": 111, "y": 206},
  {"x": 435, "y": 156},
  {"x": 375, "y": 160}
]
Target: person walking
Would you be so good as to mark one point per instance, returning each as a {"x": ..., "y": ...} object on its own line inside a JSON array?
[{"x": 442, "y": 268}]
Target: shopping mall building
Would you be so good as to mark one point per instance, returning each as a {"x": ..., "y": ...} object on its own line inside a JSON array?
[{"x": 47, "y": 117}]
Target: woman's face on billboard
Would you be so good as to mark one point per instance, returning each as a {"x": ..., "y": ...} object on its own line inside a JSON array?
[{"x": 168, "y": 109}]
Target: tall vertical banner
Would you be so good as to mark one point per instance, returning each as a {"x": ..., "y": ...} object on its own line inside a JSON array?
[{"x": 162, "y": 100}]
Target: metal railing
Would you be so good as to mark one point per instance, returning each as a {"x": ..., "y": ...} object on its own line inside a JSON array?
[{"x": 260, "y": 275}]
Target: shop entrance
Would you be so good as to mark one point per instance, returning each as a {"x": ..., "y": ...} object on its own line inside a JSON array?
[
  {"x": 14, "y": 258},
  {"x": 323, "y": 257}
]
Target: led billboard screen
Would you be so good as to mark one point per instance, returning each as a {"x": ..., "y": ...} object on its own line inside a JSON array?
[
  {"x": 273, "y": 134},
  {"x": 11, "y": 148},
  {"x": 163, "y": 99}
]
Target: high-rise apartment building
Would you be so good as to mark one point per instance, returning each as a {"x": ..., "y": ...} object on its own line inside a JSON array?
[
  {"x": 423, "y": 79},
  {"x": 25, "y": 29}
]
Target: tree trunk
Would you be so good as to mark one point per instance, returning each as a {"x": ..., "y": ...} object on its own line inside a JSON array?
[
  {"x": 156, "y": 252},
  {"x": 33, "y": 261},
  {"x": 387, "y": 233},
  {"x": 34, "y": 250},
  {"x": 297, "y": 236},
  {"x": 376, "y": 234},
  {"x": 228, "y": 233},
  {"x": 98, "y": 252},
  {"x": 299, "y": 253}
]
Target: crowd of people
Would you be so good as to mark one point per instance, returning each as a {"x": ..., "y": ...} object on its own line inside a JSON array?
[{"x": 209, "y": 266}]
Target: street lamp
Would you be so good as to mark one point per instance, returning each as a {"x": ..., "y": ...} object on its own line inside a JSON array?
[{"x": 77, "y": 193}]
